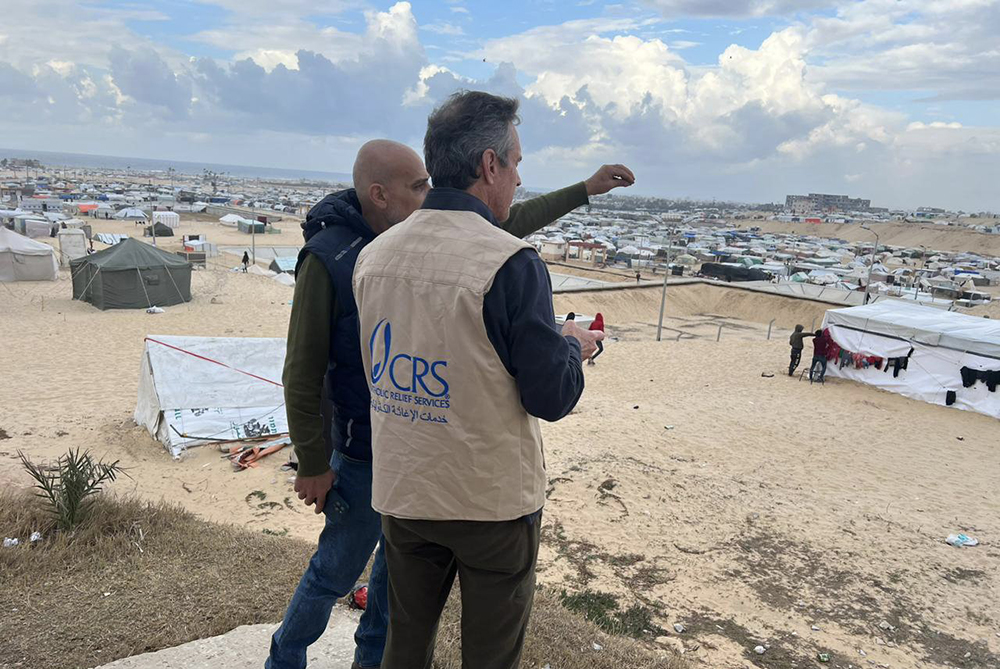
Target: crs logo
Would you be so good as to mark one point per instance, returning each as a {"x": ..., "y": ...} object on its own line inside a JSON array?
[{"x": 407, "y": 372}]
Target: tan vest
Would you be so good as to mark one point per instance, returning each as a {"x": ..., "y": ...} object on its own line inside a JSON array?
[{"x": 450, "y": 439}]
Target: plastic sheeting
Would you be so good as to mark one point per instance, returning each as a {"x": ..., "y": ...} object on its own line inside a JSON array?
[
  {"x": 195, "y": 390},
  {"x": 23, "y": 259},
  {"x": 943, "y": 342},
  {"x": 912, "y": 322}
]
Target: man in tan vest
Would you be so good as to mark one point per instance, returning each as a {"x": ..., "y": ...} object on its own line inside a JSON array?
[{"x": 463, "y": 355}]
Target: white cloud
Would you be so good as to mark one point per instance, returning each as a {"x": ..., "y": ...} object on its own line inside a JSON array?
[
  {"x": 736, "y": 8},
  {"x": 443, "y": 28},
  {"x": 758, "y": 123},
  {"x": 946, "y": 47}
]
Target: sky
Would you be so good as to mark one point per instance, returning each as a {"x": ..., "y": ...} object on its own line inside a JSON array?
[{"x": 748, "y": 100}]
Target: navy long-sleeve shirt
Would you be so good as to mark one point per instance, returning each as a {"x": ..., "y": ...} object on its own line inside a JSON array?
[{"x": 521, "y": 325}]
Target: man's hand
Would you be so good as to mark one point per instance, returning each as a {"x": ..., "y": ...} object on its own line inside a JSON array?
[
  {"x": 313, "y": 489},
  {"x": 588, "y": 338},
  {"x": 608, "y": 177}
]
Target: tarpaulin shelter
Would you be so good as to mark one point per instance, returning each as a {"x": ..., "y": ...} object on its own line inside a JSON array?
[
  {"x": 131, "y": 214},
  {"x": 941, "y": 357},
  {"x": 283, "y": 264},
  {"x": 31, "y": 226},
  {"x": 167, "y": 218},
  {"x": 194, "y": 390},
  {"x": 131, "y": 275},
  {"x": 249, "y": 227},
  {"x": 158, "y": 229},
  {"x": 734, "y": 272},
  {"x": 23, "y": 259},
  {"x": 72, "y": 245}
]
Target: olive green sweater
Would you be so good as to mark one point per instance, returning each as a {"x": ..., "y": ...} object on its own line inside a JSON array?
[{"x": 314, "y": 303}]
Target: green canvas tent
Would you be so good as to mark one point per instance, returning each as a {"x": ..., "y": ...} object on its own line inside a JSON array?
[{"x": 131, "y": 275}]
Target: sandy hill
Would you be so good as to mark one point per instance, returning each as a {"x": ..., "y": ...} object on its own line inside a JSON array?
[
  {"x": 694, "y": 476},
  {"x": 909, "y": 235}
]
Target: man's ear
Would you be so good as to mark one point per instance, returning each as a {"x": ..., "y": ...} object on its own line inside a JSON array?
[
  {"x": 490, "y": 165},
  {"x": 378, "y": 195}
]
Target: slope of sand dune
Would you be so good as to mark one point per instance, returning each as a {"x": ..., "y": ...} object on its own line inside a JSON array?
[
  {"x": 641, "y": 306},
  {"x": 745, "y": 507},
  {"x": 909, "y": 235}
]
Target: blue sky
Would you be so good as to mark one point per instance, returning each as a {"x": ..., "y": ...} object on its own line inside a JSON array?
[{"x": 896, "y": 100}]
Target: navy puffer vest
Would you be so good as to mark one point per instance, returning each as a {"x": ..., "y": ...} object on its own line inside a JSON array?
[{"x": 335, "y": 232}]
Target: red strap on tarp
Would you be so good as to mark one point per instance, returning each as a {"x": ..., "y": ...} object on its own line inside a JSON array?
[{"x": 221, "y": 364}]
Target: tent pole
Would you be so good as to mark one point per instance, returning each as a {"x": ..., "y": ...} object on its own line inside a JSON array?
[{"x": 663, "y": 297}]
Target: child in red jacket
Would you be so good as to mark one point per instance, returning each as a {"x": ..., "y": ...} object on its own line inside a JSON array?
[{"x": 597, "y": 325}]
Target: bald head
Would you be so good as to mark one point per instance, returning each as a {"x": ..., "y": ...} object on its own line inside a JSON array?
[{"x": 390, "y": 181}]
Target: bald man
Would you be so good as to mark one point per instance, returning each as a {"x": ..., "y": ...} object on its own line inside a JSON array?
[{"x": 324, "y": 354}]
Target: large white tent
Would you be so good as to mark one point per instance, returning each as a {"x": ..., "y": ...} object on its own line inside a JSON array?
[
  {"x": 131, "y": 214},
  {"x": 943, "y": 352},
  {"x": 168, "y": 218},
  {"x": 23, "y": 259},
  {"x": 195, "y": 390}
]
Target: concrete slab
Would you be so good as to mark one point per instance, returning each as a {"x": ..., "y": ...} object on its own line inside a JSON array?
[{"x": 246, "y": 648}]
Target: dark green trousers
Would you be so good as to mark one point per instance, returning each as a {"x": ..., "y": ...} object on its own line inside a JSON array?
[{"x": 495, "y": 563}]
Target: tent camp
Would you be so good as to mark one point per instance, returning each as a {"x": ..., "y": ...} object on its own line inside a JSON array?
[
  {"x": 158, "y": 229},
  {"x": 23, "y": 259},
  {"x": 198, "y": 389},
  {"x": 131, "y": 275},
  {"x": 929, "y": 354}
]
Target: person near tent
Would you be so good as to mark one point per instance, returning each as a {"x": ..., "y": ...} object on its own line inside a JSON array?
[
  {"x": 597, "y": 326},
  {"x": 821, "y": 344},
  {"x": 323, "y": 358},
  {"x": 797, "y": 342},
  {"x": 638, "y": 278},
  {"x": 245, "y": 261}
]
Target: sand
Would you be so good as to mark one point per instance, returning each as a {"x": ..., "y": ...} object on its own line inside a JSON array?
[
  {"x": 908, "y": 235},
  {"x": 745, "y": 507}
]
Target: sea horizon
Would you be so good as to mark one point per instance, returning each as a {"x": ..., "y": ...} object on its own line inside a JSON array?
[{"x": 58, "y": 159}]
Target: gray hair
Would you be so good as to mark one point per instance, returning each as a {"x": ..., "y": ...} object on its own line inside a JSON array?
[{"x": 461, "y": 130}]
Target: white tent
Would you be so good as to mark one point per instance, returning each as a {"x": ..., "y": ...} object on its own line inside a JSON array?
[
  {"x": 131, "y": 214},
  {"x": 23, "y": 259},
  {"x": 935, "y": 344},
  {"x": 167, "y": 218},
  {"x": 284, "y": 279},
  {"x": 194, "y": 390},
  {"x": 30, "y": 226},
  {"x": 231, "y": 219}
]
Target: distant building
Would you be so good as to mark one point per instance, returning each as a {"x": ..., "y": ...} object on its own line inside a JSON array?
[{"x": 803, "y": 204}]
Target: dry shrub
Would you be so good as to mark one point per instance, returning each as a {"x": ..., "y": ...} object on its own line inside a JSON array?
[{"x": 170, "y": 579}]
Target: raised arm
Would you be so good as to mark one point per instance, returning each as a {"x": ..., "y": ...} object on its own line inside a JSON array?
[{"x": 534, "y": 214}]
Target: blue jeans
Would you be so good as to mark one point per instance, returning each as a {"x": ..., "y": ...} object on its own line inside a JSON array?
[
  {"x": 818, "y": 362},
  {"x": 344, "y": 548}
]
